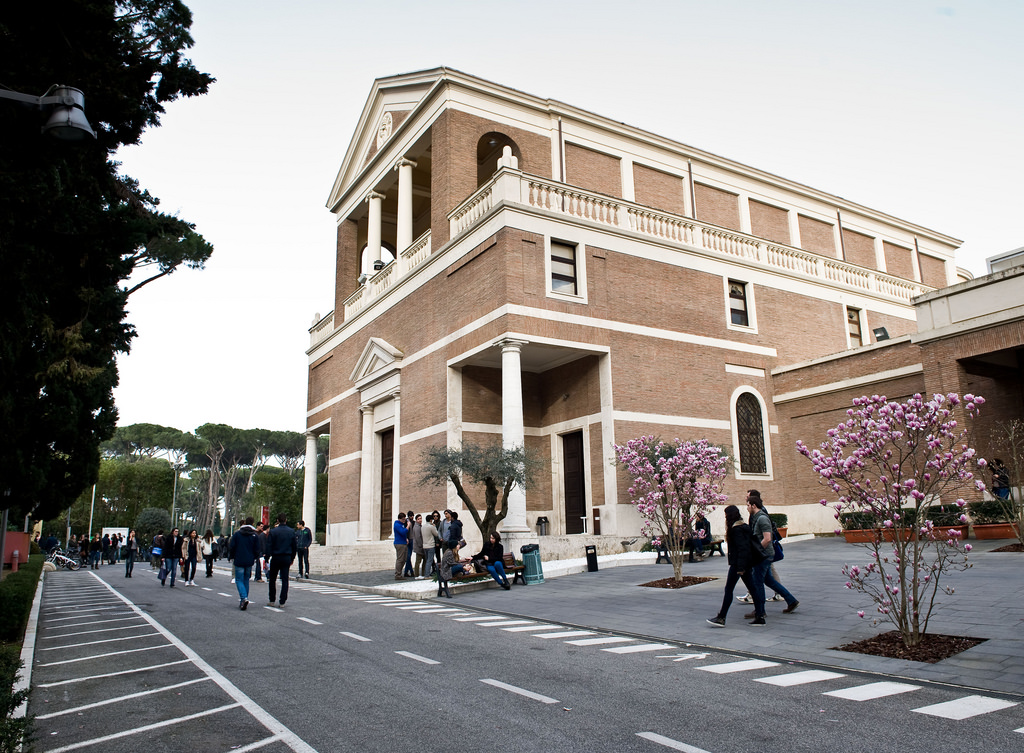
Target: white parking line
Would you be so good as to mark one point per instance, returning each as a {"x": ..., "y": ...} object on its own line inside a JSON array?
[
  {"x": 799, "y": 678},
  {"x": 738, "y": 666},
  {"x": 119, "y": 699},
  {"x": 221, "y": 593},
  {"x": 93, "y": 622},
  {"x": 474, "y": 618},
  {"x": 500, "y": 623},
  {"x": 637, "y": 649},
  {"x": 965, "y": 708},
  {"x": 94, "y": 643},
  {"x": 102, "y": 656},
  {"x": 147, "y": 728},
  {"x": 872, "y": 690},
  {"x": 668, "y": 742},
  {"x": 528, "y": 628},
  {"x": 417, "y": 657},
  {"x": 258, "y": 713},
  {"x": 521, "y": 691},
  {"x": 311, "y": 622},
  {"x": 112, "y": 674},
  {"x": 355, "y": 637},
  {"x": 89, "y": 632}
]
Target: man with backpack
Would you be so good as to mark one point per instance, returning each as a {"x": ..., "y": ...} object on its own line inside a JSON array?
[{"x": 763, "y": 532}]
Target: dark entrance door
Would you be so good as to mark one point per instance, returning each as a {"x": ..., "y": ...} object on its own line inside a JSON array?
[
  {"x": 575, "y": 499},
  {"x": 387, "y": 469}
]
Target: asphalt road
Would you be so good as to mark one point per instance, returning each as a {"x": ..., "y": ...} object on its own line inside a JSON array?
[{"x": 132, "y": 666}]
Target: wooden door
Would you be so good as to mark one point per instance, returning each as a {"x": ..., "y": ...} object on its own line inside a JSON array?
[
  {"x": 387, "y": 473},
  {"x": 575, "y": 496}
]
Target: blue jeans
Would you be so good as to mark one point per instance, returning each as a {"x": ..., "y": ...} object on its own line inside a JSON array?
[
  {"x": 242, "y": 575},
  {"x": 497, "y": 569},
  {"x": 763, "y": 577},
  {"x": 458, "y": 569},
  {"x": 171, "y": 563}
]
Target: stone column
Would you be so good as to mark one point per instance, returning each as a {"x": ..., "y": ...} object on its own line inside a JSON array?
[
  {"x": 396, "y": 463},
  {"x": 375, "y": 200},
  {"x": 794, "y": 229},
  {"x": 513, "y": 430},
  {"x": 366, "y": 521},
  {"x": 404, "y": 168},
  {"x": 309, "y": 487}
]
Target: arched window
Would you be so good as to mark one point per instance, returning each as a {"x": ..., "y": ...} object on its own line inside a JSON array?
[
  {"x": 387, "y": 255},
  {"x": 488, "y": 152},
  {"x": 750, "y": 434}
]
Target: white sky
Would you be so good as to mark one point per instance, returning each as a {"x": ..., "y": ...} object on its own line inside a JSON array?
[{"x": 912, "y": 108}]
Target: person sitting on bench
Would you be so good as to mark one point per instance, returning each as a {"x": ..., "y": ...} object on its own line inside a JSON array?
[
  {"x": 490, "y": 556},
  {"x": 701, "y": 533}
]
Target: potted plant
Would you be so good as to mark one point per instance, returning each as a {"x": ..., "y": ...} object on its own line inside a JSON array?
[
  {"x": 858, "y": 527},
  {"x": 1007, "y": 478},
  {"x": 991, "y": 520},
  {"x": 781, "y": 521},
  {"x": 946, "y": 518},
  {"x": 905, "y": 531}
]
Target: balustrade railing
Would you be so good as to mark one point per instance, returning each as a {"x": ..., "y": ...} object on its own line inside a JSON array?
[{"x": 319, "y": 331}]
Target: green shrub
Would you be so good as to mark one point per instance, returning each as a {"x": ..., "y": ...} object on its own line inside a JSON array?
[
  {"x": 16, "y": 593},
  {"x": 943, "y": 515},
  {"x": 987, "y": 511},
  {"x": 14, "y": 732},
  {"x": 856, "y": 521},
  {"x": 780, "y": 519}
]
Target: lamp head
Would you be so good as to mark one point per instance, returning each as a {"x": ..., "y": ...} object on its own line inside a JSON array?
[{"x": 67, "y": 121}]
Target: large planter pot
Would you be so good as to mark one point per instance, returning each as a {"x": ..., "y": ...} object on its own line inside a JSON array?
[
  {"x": 890, "y": 534},
  {"x": 943, "y": 531},
  {"x": 996, "y": 531},
  {"x": 860, "y": 535},
  {"x": 783, "y": 530}
]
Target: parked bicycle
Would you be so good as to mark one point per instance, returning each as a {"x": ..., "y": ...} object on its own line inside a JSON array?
[{"x": 60, "y": 559}]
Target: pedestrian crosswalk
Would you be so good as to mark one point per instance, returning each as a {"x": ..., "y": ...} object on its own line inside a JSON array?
[{"x": 964, "y": 707}]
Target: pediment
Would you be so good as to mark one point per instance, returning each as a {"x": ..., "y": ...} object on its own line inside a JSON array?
[{"x": 379, "y": 359}]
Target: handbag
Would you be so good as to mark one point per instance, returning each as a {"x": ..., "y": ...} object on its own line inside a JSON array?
[
  {"x": 157, "y": 551},
  {"x": 779, "y": 554},
  {"x": 162, "y": 574}
]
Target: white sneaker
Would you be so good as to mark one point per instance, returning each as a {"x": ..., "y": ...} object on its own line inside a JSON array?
[
  {"x": 777, "y": 597},
  {"x": 747, "y": 599}
]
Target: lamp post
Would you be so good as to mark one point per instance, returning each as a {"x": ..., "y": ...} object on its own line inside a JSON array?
[
  {"x": 174, "y": 494},
  {"x": 66, "y": 107}
]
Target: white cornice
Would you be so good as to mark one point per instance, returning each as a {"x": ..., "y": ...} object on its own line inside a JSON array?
[{"x": 846, "y": 384}]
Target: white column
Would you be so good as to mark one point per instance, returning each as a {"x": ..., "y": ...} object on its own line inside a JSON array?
[
  {"x": 396, "y": 463},
  {"x": 794, "y": 229},
  {"x": 744, "y": 207},
  {"x": 309, "y": 487},
  {"x": 513, "y": 430},
  {"x": 404, "y": 168},
  {"x": 880, "y": 255},
  {"x": 374, "y": 199},
  {"x": 366, "y": 521}
]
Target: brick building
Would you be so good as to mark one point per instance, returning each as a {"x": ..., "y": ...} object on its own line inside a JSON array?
[{"x": 515, "y": 268}]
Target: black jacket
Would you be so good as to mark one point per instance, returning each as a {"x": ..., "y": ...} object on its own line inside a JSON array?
[
  {"x": 741, "y": 547},
  {"x": 493, "y": 553},
  {"x": 281, "y": 541}
]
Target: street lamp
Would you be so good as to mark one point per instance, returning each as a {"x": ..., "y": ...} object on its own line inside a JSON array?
[
  {"x": 66, "y": 107},
  {"x": 174, "y": 494}
]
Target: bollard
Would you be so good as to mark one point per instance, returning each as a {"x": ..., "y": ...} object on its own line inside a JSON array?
[{"x": 15, "y": 556}]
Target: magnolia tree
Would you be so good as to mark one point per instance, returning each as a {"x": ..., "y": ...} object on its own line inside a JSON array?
[
  {"x": 889, "y": 460},
  {"x": 671, "y": 484}
]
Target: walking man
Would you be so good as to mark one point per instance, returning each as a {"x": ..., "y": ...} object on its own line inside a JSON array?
[
  {"x": 303, "y": 540},
  {"x": 401, "y": 545},
  {"x": 243, "y": 549},
  {"x": 281, "y": 550},
  {"x": 761, "y": 530}
]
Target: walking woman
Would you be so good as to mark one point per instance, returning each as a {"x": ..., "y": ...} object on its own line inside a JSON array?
[
  {"x": 742, "y": 559},
  {"x": 131, "y": 548},
  {"x": 189, "y": 557},
  {"x": 209, "y": 549}
]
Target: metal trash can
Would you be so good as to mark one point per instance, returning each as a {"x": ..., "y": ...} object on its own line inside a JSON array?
[
  {"x": 542, "y": 526},
  {"x": 532, "y": 570},
  {"x": 591, "y": 559}
]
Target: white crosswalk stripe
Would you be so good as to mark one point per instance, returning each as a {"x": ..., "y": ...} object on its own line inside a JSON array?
[
  {"x": 637, "y": 649},
  {"x": 872, "y": 691},
  {"x": 965, "y": 708},
  {"x": 738, "y": 666},
  {"x": 598, "y": 641},
  {"x": 566, "y": 634},
  {"x": 800, "y": 678}
]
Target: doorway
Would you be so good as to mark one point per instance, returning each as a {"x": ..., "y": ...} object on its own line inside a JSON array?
[
  {"x": 573, "y": 479},
  {"x": 387, "y": 473}
]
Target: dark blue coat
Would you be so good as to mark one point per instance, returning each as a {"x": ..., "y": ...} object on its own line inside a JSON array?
[{"x": 244, "y": 547}]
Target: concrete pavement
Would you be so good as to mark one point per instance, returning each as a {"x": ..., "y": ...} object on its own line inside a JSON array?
[{"x": 986, "y": 604}]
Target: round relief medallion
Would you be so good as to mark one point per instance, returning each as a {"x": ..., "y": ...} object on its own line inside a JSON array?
[{"x": 384, "y": 129}]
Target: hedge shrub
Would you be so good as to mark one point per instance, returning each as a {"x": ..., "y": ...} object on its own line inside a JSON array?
[{"x": 16, "y": 593}]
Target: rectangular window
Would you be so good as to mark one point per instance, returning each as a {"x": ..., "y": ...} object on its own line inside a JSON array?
[
  {"x": 738, "y": 312},
  {"x": 853, "y": 327},
  {"x": 563, "y": 268}
]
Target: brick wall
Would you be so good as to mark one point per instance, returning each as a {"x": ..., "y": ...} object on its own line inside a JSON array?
[
  {"x": 717, "y": 206},
  {"x": 859, "y": 249},
  {"x": 654, "y": 188},
  {"x": 817, "y": 236},
  {"x": 592, "y": 170},
  {"x": 933, "y": 271},
  {"x": 767, "y": 221},
  {"x": 346, "y": 270},
  {"x": 898, "y": 260}
]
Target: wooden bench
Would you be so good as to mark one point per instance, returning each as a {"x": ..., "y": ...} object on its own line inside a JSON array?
[
  {"x": 710, "y": 547},
  {"x": 518, "y": 572}
]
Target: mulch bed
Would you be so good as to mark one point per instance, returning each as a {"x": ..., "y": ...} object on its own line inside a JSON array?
[
  {"x": 688, "y": 580},
  {"x": 1018, "y": 547},
  {"x": 932, "y": 649}
]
